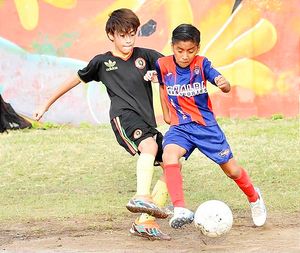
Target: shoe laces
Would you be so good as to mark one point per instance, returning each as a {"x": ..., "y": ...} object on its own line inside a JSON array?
[
  {"x": 181, "y": 211},
  {"x": 256, "y": 208}
]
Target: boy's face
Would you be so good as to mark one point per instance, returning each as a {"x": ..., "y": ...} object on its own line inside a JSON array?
[
  {"x": 184, "y": 52},
  {"x": 124, "y": 42}
]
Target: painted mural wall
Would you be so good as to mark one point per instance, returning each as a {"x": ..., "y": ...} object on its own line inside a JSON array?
[{"x": 254, "y": 43}]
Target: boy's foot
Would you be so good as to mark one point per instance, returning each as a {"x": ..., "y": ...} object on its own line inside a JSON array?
[
  {"x": 170, "y": 210},
  {"x": 258, "y": 210},
  {"x": 182, "y": 216},
  {"x": 148, "y": 229},
  {"x": 143, "y": 205}
]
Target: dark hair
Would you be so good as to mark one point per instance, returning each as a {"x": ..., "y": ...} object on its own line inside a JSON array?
[
  {"x": 122, "y": 20},
  {"x": 186, "y": 32}
]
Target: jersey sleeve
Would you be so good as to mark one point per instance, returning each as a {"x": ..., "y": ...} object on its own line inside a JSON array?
[
  {"x": 158, "y": 71},
  {"x": 153, "y": 56},
  {"x": 91, "y": 71},
  {"x": 209, "y": 71}
]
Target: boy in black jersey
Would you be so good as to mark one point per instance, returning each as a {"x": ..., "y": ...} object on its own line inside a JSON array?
[{"x": 122, "y": 70}]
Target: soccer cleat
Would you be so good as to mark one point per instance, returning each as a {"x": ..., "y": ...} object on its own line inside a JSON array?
[
  {"x": 148, "y": 229},
  {"x": 139, "y": 205},
  {"x": 170, "y": 210},
  {"x": 182, "y": 216},
  {"x": 258, "y": 210}
]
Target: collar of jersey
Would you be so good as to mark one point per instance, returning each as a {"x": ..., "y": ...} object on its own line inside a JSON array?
[
  {"x": 181, "y": 69},
  {"x": 124, "y": 59}
]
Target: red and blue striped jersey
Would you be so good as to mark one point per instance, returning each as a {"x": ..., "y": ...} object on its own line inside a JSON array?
[{"x": 185, "y": 90}]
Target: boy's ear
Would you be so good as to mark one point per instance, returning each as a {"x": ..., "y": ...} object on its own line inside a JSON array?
[{"x": 110, "y": 36}]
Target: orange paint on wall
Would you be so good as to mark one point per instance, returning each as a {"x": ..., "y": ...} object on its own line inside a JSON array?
[{"x": 79, "y": 36}]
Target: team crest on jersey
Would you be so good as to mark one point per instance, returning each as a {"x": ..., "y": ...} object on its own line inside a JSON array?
[
  {"x": 111, "y": 65},
  {"x": 137, "y": 133},
  {"x": 140, "y": 63},
  {"x": 197, "y": 70}
]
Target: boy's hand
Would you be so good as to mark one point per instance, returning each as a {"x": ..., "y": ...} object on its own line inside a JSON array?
[
  {"x": 39, "y": 114},
  {"x": 151, "y": 75},
  {"x": 222, "y": 83}
]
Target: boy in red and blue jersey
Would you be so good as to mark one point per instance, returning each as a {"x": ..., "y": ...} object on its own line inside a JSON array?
[
  {"x": 189, "y": 101},
  {"x": 183, "y": 78}
]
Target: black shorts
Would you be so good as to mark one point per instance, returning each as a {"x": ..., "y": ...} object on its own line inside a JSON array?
[{"x": 130, "y": 129}]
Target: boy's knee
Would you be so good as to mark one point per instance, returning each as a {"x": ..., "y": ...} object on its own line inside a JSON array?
[
  {"x": 170, "y": 158},
  {"x": 231, "y": 169},
  {"x": 234, "y": 173},
  {"x": 148, "y": 145}
]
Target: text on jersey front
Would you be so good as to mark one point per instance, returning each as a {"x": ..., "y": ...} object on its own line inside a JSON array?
[{"x": 187, "y": 90}]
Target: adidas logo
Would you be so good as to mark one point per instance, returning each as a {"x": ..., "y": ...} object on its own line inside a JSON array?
[{"x": 111, "y": 65}]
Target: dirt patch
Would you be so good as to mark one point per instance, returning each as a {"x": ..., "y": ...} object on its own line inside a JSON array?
[{"x": 280, "y": 234}]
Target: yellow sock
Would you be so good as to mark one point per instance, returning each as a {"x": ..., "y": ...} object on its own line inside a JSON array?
[
  {"x": 160, "y": 193},
  {"x": 159, "y": 196},
  {"x": 145, "y": 217},
  {"x": 144, "y": 174}
]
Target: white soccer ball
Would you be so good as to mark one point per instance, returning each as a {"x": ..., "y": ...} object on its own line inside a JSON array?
[{"x": 214, "y": 218}]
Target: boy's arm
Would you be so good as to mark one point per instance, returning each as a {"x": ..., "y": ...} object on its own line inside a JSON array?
[
  {"x": 213, "y": 76},
  {"x": 222, "y": 83},
  {"x": 163, "y": 102},
  {"x": 164, "y": 106},
  {"x": 65, "y": 87},
  {"x": 151, "y": 75}
]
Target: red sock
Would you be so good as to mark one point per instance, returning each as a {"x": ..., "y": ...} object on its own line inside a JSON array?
[
  {"x": 246, "y": 186},
  {"x": 174, "y": 184}
]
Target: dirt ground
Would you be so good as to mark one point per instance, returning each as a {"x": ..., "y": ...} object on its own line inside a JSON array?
[{"x": 281, "y": 233}]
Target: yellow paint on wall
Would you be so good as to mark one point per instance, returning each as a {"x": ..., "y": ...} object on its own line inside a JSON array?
[
  {"x": 250, "y": 74},
  {"x": 102, "y": 17},
  {"x": 243, "y": 19},
  {"x": 130, "y": 4},
  {"x": 211, "y": 22},
  {"x": 28, "y": 11},
  {"x": 257, "y": 40},
  {"x": 177, "y": 12},
  {"x": 64, "y": 4}
]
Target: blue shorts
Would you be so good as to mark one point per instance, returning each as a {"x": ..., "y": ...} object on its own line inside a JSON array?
[{"x": 210, "y": 140}]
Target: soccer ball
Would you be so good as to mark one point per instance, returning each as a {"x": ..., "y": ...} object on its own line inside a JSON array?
[{"x": 214, "y": 218}]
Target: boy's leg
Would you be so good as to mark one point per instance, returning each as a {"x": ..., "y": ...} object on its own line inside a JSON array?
[
  {"x": 242, "y": 179},
  {"x": 144, "y": 174},
  {"x": 142, "y": 202},
  {"x": 136, "y": 136},
  {"x": 159, "y": 196},
  {"x": 212, "y": 142},
  {"x": 172, "y": 171},
  {"x": 146, "y": 225},
  {"x": 182, "y": 216},
  {"x": 175, "y": 184}
]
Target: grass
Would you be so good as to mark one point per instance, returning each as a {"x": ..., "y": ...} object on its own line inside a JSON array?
[{"x": 67, "y": 172}]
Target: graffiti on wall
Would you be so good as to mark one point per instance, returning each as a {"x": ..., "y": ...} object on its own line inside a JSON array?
[{"x": 255, "y": 44}]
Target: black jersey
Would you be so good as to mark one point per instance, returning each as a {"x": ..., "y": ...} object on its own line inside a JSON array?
[{"x": 124, "y": 81}]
